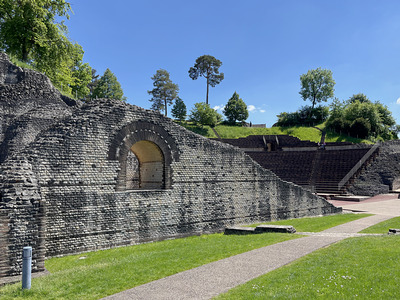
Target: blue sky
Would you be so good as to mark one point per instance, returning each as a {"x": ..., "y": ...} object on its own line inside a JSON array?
[{"x": 264, "y": 45}]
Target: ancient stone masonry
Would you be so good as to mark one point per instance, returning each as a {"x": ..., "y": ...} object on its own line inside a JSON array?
[
  {"x": 77, "y": 177},
  {"x": 382, "y": 175}
]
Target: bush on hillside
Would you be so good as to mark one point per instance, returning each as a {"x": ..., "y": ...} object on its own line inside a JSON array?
[
  {"x": 203, "y": 114},
  {"x": 362, "y": 119},
  {"x": 305, "y": 116}
]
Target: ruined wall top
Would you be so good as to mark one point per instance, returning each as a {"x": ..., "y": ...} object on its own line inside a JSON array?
[{"x": 18, "y": 84}]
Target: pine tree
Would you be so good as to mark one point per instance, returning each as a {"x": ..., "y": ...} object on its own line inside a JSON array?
[
  {"x": 208, "y": 67},
  {"x": 108, "y": 87},
  {"x": 179, "y": 110},
  {"x": 164, "y": 92}
]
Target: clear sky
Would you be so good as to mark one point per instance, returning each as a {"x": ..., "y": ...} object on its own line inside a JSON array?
[{"x": 264, "y": 45}]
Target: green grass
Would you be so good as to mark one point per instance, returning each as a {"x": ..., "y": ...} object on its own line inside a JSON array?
[
  {"x": 384, "y": 226},
  {"x": 356, "y": 268},
  {"x": 205, "y": 131},
  {"x": 317, "y": 224},
  {"x": 303, "y": 133},
  {"x": 107, "y": 272}
]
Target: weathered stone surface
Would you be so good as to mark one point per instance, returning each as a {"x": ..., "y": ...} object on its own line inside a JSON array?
[
  {"x": 394, "y": 231},
  {"x": 275, "y": 228},
  {"x": 239, "y": 230},
  {"x": 382, "y": 175},
  {"x": 65, "y": 166},
  {"x": 260, "y": 229}
]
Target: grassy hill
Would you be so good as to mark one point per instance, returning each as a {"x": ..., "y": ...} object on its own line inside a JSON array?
[{"x": 303, "y": 133}]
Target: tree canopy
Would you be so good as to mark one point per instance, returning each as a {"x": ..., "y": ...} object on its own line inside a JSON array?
[
  {"x": 164, "y": 92},
  {"x": 207, "y": 66},
  {"x": 108, "y": 87},
  {"x": 317, "y": 86},
  {"x": 236, "y": 109},
  {"x": 359, "y": 97},
  {"x": 363, "y": 119},
  {"x": 28, "y": 29},
  {"x": 304, "y": 116},
  {"x": 33, "y": 32},
  {"x": 203, "y": 114},
  {"x": 179, "y": 110}
]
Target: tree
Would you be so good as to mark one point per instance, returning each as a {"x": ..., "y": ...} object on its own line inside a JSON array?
[
  {"x": 363, "y": 119},
  {"x": 164, "y": 92},
  {"x": 108, "y": 87},
  {"x": 359, "y": 97},
  {"x": 179, "y": 110},
  {"x": 208, "y": 67},
  {"x": 302, "y": 116},
  {"x": 203, "y": 114},
  {"x": 317, "y": 85},
  {"x": 29, "y": 28},
  {"x": 82, "y": 75},
  {"x": 33, "y": 32},
  {"x": 93, "y": 83},
  {"x": 236, "y": 109}
]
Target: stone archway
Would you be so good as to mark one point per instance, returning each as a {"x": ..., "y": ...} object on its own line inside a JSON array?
[
  {"x": 145, "y": 166},
  {"x": 145, "y": 152}
]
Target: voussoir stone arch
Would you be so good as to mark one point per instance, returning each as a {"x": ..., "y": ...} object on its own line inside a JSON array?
[{"x": 150, "y": 143}]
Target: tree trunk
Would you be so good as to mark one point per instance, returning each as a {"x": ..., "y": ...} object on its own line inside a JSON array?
[
  {"x": 312, "y": 108},
  {"x": 165, "y": 101},
  {"x": 207, "y": 91},
  {"x": 24, "y": 51}
]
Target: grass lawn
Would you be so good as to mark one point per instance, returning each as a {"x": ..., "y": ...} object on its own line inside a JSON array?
[
  {"x": 317, "y": 224},
  {"x": 356, "y": 268},
  {"x": 106, "y": 272},
  {"x": 383, "y": 227},
  {"x": 303, "y": 133}
]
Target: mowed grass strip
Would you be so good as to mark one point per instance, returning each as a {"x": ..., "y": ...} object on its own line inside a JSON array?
[
  {"x": 356, "y": 268},
  {"x": 317, "y": 224},
  {"x": 107, "y": 272},
  {"x": 384, "y": 226}
]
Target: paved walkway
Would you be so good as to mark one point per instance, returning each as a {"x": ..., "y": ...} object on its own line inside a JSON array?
[{"x": 218, "y": 277}]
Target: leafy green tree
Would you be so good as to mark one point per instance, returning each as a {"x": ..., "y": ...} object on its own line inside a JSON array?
[
  {"x": 208, "y": 67},
  {"x": 359, "y": 97},
  {"x": 236, "y": 109},
  {"x": 317, "y": 86},
  {"x": 363, "y": 119},
  {"x": 108, "y": 87},
  {"x": 179, "y": 110},
  {"x": 203, "y": 114},
  {"x": 305, "y": 116},
  {"x": 164, "y": 92},
  {"x": 82, "y": 77},
  {"x": 32, "y": 32},
  {"x": 29, "y": 29}
]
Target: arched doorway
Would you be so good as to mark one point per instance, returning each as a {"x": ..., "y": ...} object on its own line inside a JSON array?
[
  {"x": 145, "y": 166},
  {"x": 145, "y": 152}
]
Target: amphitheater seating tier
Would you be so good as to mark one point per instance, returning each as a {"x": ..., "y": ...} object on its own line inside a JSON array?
[{"x": 321, "y": 169}]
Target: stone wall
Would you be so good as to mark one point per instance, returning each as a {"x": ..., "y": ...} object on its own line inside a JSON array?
[
  {"x": 382, "y": 175},
  {"x": 28, "y": 105},
  {"x": 65, "y": 190}
]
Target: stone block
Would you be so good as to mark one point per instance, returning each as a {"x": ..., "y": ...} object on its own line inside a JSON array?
[
  {"x": 275, "y": 228},
  {"x": 239, "y": 230}
]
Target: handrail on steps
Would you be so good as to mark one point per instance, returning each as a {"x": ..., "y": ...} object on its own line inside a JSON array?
[{"x": 358, "y": 165}]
